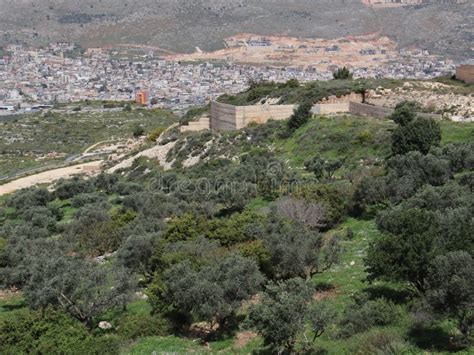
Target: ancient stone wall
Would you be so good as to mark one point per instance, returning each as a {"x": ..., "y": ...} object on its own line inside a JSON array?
[
  {"x": 380, "y": 112},
  {"x": 202, "y": 124},
  {"x": 226, "y": 117},
  {"x": 465, "y": 73},
  {"x": 353, "y": 96},
  {"x": 262, "y": 113},
  {"x": 324, "y": 109},
  {"x": 223, "y": 116}
]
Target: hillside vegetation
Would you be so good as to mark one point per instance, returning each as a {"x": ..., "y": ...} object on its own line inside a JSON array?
[
  {"x": 279, "y": 238},
  {"x": 44, "y": 139}
]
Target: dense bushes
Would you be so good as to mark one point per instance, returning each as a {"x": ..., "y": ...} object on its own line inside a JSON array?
[
  {"x": 66, "y": 189},
  {"x": 133, "y": 326},
  {"x": 433, "y": 222},
  {"x": 300, "y": 116},
  {"x": 334, "y": 198},
  {"x": 364, "y": 314},
  {"x": 49, "y": 332},
  {"x": 450, "y": 289}
]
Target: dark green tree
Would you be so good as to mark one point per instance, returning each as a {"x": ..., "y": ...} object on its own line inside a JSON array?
[
  {"x": 450, "y": 288},
  {"x": 405, "y": 112},
  {"x": 405, "y": 251},
  {"x": 362, "y": 87},
  {"x": 323, "y": 168},
  {"x": 420, "y": 135},
  {"x": 137, "y": 254},
  {"x": 342, "y": 74},
  {"x": 300, "y": 116}
]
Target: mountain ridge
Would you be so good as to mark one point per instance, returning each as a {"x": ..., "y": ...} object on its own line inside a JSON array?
[{"x": 181, "y": 26}]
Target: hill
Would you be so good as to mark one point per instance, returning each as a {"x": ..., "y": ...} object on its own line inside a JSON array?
[
  {"x": 305, "y": 227},
  {"x": 71, "y": 133},
  {"x": 183, "y": 25}
]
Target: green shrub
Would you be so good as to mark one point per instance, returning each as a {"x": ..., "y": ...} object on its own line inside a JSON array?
[
  {"x": 360, "y": 317},
  {"x": 419, "y": 135},
  {"x": 300, "y": 116},
  {"x": 334, "y": 198},
  {"x": 48, "y": 332},
  {"x": 155, "y": 133},
  {"x": 104, "y": 345},
  {"x": 132, "y": 326},
  {"x": 138, "y": 131},
  {"x": 381, "y": 342}
]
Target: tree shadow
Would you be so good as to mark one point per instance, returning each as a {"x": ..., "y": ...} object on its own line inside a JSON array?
[
  {"x": 397, "y": 296},
  {"x": 432, "y": 338},
  {"x": 13, "y": 306},
  {"x": 324, "y": 286}
]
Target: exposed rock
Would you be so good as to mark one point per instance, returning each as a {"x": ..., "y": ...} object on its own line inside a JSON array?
[{"x": 105, "y": 325}]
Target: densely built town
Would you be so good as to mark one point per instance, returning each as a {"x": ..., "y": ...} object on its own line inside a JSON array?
[{"x": 63, "y": 73}]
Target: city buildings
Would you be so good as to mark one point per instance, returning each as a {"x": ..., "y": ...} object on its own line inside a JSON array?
[{"x": 58, "y": 74}]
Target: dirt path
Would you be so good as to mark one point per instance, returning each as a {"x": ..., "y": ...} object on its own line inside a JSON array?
[{"x": 49, "y": 176}]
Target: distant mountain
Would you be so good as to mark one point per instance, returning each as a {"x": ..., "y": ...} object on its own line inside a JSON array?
[{"x": 443, "y": 27}]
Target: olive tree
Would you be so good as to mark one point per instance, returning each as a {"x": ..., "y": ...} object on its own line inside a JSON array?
[
  {"x": 280, "y": 315},
  {"x": 82, "y": 288},
  {"x": 213, "y": 293},
  {"x": 297, "y": 251}
]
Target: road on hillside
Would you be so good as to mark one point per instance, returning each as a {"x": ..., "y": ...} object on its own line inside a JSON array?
[{"x": 47, "y": 177}]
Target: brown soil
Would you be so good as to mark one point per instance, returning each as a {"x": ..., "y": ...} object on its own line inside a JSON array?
[{"x": 243, "y": 338}]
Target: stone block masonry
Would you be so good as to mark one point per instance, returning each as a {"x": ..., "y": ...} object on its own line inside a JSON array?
[
  {"x": 356, "y": 108},
  {"x": 226, "y": 117},
  {"x": 465, "y": 72},
  {"x": 326, "y": 109},
  {"x": 194, "y": 126}
]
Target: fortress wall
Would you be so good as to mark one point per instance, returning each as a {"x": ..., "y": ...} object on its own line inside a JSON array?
[
  {"x": 343, "y": 99},
  {"x": 223, "y": 116},
  {"x": 228, "y": 117},
  {"x": 324, "y": 109},
  {"x": 369, "y": 110},
  {"x": 194, "y": 126},
  {"x": 261, "y": 114},
  {"x": 465, "y": 73},
  {"x": 381, "y": 112}
]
